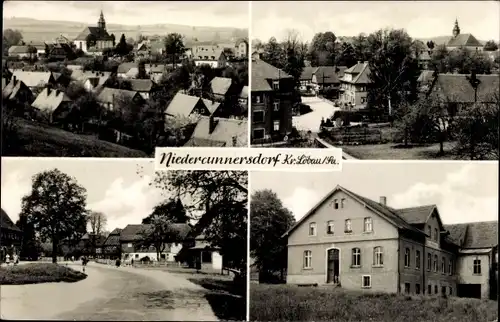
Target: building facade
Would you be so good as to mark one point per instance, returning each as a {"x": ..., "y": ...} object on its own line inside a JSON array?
[
  {"x": 359, "y": 244},
  {"x": 459, "y": 40},
  {"x": 354, "y": 85},
  {"x": 95, "y": 38},
  {"x": 271, "y": 94}
]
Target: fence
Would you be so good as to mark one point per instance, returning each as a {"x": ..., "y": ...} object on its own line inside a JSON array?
[
  {"x": 355, "y": 135},
  {"x": 139, "y": 263}
]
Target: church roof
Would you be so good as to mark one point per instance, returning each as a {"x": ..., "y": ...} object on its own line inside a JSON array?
[
  {"x": 465, "y": 40},
  {"x": 96, "y": 31}
]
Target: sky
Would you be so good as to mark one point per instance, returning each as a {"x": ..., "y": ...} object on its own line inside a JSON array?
[
  {"x": 191, "y": 13},
  {"x": 421, "y": 19},
  {"x": 463, "y": 191},
  {"x": 113, "y": 186}
]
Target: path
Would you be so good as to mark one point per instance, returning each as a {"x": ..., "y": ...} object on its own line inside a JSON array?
[
  {"x": 109, "y": 293},
  {"x": 311, "y": 121}
]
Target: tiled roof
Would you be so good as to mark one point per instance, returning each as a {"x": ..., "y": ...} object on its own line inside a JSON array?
[
  {"x": 125, "y": 67},
  {"x": 457, "y": 88},
  {"x": 425, "y": 76},
  {"x": 222, "y": 135},
  {"x": 182, "y": 105},
  {"x": 132, "y": 72},
  {"x": 207, "y": 52},
  {"x": 475, "y": 235},
  {"x": 97, "y": 32},
  {"x": 416, "y": 215},
  {"x": 360, "y": 73},
  {"x": 49, "y": 100},
  {"x": 329, "y": 74},
  {"x": 97, "y": 77},
  {"x": 141, "y": 85},
  {"x": 133, "y": 232},
  {"x": 10, "y": 91},
  {"x": 262, "y": 73},
  {"x": 307, "y": 73},
  {"x": 220, "y": 85},
  {"x": 33, "y": 79},
  {"x": 113, "y": 238},
  {"x": 212, "y": 106},
  {"x": 19, "y": 50},
  {"x": 467, "y": 40},
  {"x": 108, "y": 95},
  {"x": 6, "y": 222}
]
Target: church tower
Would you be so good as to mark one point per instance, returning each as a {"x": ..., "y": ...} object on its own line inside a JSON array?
[
  {"x": 456, "y": 29},
  {"x": 102, "y": 23}
]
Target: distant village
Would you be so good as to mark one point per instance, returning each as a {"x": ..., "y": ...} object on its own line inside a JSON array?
[{"x": 152, "y": 92}]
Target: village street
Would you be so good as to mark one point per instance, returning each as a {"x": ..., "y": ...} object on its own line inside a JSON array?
[
  {"x": 311, "y": 121},
  {"x": 109, "y": 293}
]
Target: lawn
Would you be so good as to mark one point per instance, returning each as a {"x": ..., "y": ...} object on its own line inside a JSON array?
[
  {"x": 38, "y": 273},
  {"x": 395, "y": 151},
  {"x": 36, "y": 139},
  {"x": 292, "y": 303}
]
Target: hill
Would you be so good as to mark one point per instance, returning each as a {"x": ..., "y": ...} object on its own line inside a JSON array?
[{"x": 47, "y": 30}]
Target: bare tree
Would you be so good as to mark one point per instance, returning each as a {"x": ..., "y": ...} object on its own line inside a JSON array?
[{"x": 97, "y": 222}]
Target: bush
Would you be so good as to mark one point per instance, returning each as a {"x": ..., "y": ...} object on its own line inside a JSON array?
[
  {"x": 304, "y": 109},
  {"x": 38, "y": 273}
]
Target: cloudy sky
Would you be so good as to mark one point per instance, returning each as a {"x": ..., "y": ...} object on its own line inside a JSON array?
[
  {"x": 463, "y": 192},
  {"x": 190, "y": 13},
  {"x": 113, "y": 186},
  {"x": 422, "y": 19}
]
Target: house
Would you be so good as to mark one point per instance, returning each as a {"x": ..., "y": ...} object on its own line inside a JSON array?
[
  {"x": 466, "y": 41},
  {"x": 271, "y": 106},
  {"x": 112, "y": 247},
  {"x": 183, "y": 105},
  {"x": 156, "y": 47},
  {"x": 354, "y": 85},
  {"x": 209, "y": 55},
  {"x": 131, "y": 238},
  {"x": 143, "y": 86},
  {"x": 198, "y": 253},
  {"x": 219, "y": 132},
  {"x": 328, "y": 77},
  {"x": 155, "y": 71},
  {"x": 53, "y": 105},
  {"x": 220, "y": 87},
  {"x": 92, "y": 245},
  {"x": 16, "y": 91},
  {"x": 59, "y": 51},
  {"x": 360, "y": 244},
  {"x": 35, "y": 80},
  {"x": 90, "y": 79},
  {"x": 94, "y": 37},
  {"x": 109, "y": 97},
  {"x": 40, "y": 47},
  {"x": 20, "y": 52},
  {"x": 10, "y": 234},
  {"x": 307, "y": 75},
  {"x": 241, "y": 48},
  {"x": 125, "y": 68}
]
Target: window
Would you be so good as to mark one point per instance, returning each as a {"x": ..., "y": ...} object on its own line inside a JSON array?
[
  {"x": 257, "y": 99},
  {"x": 450, "y": 267},
  {"x": 276, "y": 85},
  {"x": 367, "y": 281},
  {"x": 429, "y": 289},
  {"x": 477, "y": 266},
  {"x": 258, "y": 134},
  {"x": 429, "y": 261},
  {"x": 407, "y": 288},
  {"x": 335, "y": 203},
  {"x": 417, "y": 288},
  {"x": 435, "y": 289},
  {"x": 312, "y": 229},
  {"x": 378, "y": 256},
  {"x": 276, "y": 105},
  {"x": 451, "y": 290},
  {"x": 435, "y": 234},
  {"x": 429, "y": 231},
  {"x": 417, "y": 259},
  {"x": 342, "y": 203},
  {"x": 435, "y": 263},
  {"x": 363, "y": 99},
  {"x": 443, "y": 265},
  {"x": 356, "y": 257},
  {"x": 368, "y": 225},
  {"x": 258, "y": 117},
  {"x": 307, "y": 259},
  {"x": 329, "y": 227},
  {"x": 407, "y": 257},
  {"x": 443, "y": 290},
  {"x": 276, "y": 125},
  {"x": 129, "y": 245},
  {"x": 348, "y": 226}
]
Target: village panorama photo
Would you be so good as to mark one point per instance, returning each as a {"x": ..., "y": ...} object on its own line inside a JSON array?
[
  {"x": 111, "y": 240},
  {"x": 118, "y": 78}
]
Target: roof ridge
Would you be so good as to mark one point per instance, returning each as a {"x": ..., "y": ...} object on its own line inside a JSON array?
[{"x": 423, "y": 206}]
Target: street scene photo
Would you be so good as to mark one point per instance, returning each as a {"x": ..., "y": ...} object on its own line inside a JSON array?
[
  {"x": 341, "y": 246},
  {"x": 403, "y": 80},
  {"x": 113, "y": 240},
  {"x": 118, "y": 78}
]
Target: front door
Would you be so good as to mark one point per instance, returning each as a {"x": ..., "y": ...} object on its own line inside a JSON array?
[{"x": 333, "y": 266}]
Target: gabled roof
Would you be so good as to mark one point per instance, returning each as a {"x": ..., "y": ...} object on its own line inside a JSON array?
[
  {"x": 6, "y": 222},
  {"x": 33, "y": 79},
  {"x": 382, "y": 210},
  {"x": 97, "y": 32},
  {"x": 141, "y": 85},
  {"x": 133, "y": 232},
  {"x": 83, "y": 76},
  {"x": 182, "y": 105},
  {"x": 109, "y": 95},
  {"x": 466, "y": 40},
  {"x": 125, "y": 67},
  {"x": 222, "y": 135},
  {"x": 113, "y": 238},
  {"x": 212, "y": 106},
  {"x": 307, "y": 73},
  {"x": 19, "y": 50},
  {"x": 220, "y": 85},
  {"x": 329, "y": 74},
  {"x": 360, "y": 73},
  {"x": 263, "y": 73},
  {"x": 50, "y": 99},
  {"x": 425, "y": 76},
  {"x": 457, "y": 88},
  {"x": 475, "y": 235},
  {"x": 416, "y": 215},
  {"x": 11, "y": 90}
]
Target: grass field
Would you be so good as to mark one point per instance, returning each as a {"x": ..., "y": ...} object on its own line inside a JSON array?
[
  {"x": 292, "y": 303},
  {"x": 36, "y": 139},
  {"x": 38, "y": 273},
  {"x": 392, "y": 151}
]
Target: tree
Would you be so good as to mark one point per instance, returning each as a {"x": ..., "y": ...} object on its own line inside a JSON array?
[
  {"x": 97, "y": 222},
  {"x": 439, "y": 59},
  {"x": 172, "y": 209},
  {"x": 55, "y": 207},
  {"x": 490, "y": 45},
  {"x": 346, "y": 56},
  {"x": 430, "y": 44},
  {"x": 273, "y": 53},
  {"x": 174, "y": 46},
  {"x": 322, "y": 49},
  {"x": 158, "y": 233},
  {"x": 293, "y": 63},
  {"x": 142, "y": 74},
  {"x": 270, "y": 220},
  {"x": 11, "y": 38},
  {"x": 122, "y": 48},
  {"x": 31, "y": 246},
  {"x": 361, "y": 48}
]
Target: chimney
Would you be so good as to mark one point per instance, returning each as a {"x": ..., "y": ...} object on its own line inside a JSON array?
[
  {"x": 211, "y": 124},
  {"x": 383, "y": 200}
]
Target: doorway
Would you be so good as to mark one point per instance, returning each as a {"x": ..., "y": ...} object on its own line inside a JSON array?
[{"x": 333, "y": 266}]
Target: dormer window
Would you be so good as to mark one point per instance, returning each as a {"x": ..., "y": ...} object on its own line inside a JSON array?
[
  {"x": 312, "y": 229},
  {"x": 276, "y": 85}
]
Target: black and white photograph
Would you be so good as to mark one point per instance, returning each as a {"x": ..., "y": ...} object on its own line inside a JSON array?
[
  {"x": 113, "y": 240},
  {"x": 119, "y": 78},
  {"x": 402, "y": 80},
  {"x": 341, "y": 246}
]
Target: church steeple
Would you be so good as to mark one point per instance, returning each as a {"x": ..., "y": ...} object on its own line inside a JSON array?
[
  {"x": 456, "y": 29},
  {"x": 102, "y": 23}
]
